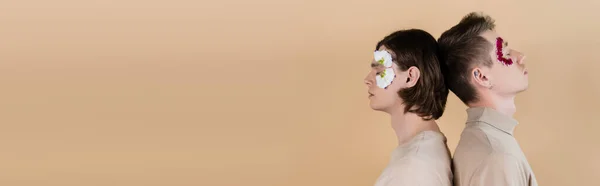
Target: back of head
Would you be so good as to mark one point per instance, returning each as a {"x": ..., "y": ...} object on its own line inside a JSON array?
[
  {"x": 461, "y": 49},
  {"x": 415, "y": 47}
]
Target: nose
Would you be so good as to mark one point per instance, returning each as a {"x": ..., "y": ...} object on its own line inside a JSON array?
[
  {"x": 368, "y": 80},
  {"x": 520, "y": 57}
]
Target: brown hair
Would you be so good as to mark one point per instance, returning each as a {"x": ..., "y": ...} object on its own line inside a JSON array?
[
  {"x": 415, "y": 47},
  {"x": 462, "y": 48}
]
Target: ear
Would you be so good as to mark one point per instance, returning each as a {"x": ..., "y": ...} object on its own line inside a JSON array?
[
  {"x": 481, "y": 77},
  {"x": 412, "y": 76}
]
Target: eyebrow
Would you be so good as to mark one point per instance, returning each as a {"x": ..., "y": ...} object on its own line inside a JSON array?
[{"x": 373, "y": 65}]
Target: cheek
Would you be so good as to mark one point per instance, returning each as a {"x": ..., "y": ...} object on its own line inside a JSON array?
[
  {"x": 387, "y": 97},
  {"x": 509, "y": 70},
  {"x": 396, "y": 85},
  {"x": 391, "y": 93},
  {"x": 400, "y": 79},
  {"x": 506, "y": 73},
  {"x": 506, "y": 76}
]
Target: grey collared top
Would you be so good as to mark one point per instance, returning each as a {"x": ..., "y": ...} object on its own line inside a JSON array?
[
  {"x": 488, "y": 154},
  {"x": 422, "y": 161}
]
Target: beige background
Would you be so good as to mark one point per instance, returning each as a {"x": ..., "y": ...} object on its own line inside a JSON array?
[{"x": 263, "y": 92}]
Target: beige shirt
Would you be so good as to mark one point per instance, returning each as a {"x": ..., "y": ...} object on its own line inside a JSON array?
[
  {"x": 488, "y": 154},
  {"x": 422, "y": 161}
]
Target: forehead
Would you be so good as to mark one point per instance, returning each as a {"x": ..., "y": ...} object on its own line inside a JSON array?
[
  {"x": 383, "y": 47},
  {"x": 491, "y": 36}
]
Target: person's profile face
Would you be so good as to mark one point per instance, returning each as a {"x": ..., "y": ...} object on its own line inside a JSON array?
[
  {"x": 508, "y": 74},
  {"x": 384, "y": 83}
]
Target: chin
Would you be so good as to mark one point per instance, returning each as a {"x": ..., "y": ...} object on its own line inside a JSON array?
[
  {"x": 525, "y": 85},
  {"x": 523, "y": 89},
  {"x": 381, "y": 108},
  {"x": 376, "y": 107}
]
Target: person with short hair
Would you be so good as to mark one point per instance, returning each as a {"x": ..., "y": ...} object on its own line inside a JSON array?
[
  {"x": 486, "y": 75},
  {"x": 406, "y": 82}
]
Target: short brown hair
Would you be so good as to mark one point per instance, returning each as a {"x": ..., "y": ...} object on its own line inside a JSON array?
[
  {"x": 462, "y": 48},
  {"x": 415, "y": 47}
]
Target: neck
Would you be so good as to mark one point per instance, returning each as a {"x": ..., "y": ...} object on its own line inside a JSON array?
[
  {"x": 408, "y": 125},
  {"x": 502, "y": 104}
]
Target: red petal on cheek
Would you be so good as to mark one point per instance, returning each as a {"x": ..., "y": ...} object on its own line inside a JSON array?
[{"x": 499, "y": 54}]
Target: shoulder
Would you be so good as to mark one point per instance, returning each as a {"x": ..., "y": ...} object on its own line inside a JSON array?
[
  {"x": 498, "y": 160},
  {"x": 475, "y": 135},
  {"x": 431, "y": 146},
  {"x": 474, "y": 145}
]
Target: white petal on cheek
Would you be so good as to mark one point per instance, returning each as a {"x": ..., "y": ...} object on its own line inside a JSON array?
[
  {"x": 381, "y": 82},
  {"x": 389, "y": 75},
  {"x": 388, "y": 60},
  {"x": 385, "y": 56},
  {"x": 385, "y": 81}
]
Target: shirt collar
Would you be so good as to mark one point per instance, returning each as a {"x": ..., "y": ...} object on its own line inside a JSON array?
[{"x": 492, "y": 117}]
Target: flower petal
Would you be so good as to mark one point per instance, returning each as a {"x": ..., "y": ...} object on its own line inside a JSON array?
[
  {"x": 383, "y": 57},
  {"x": 386, "y": 80},
  {"x": 389, "y": 75},
  {"x": 380, "y": 82},
  {"x": 387, "y": 60}
]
